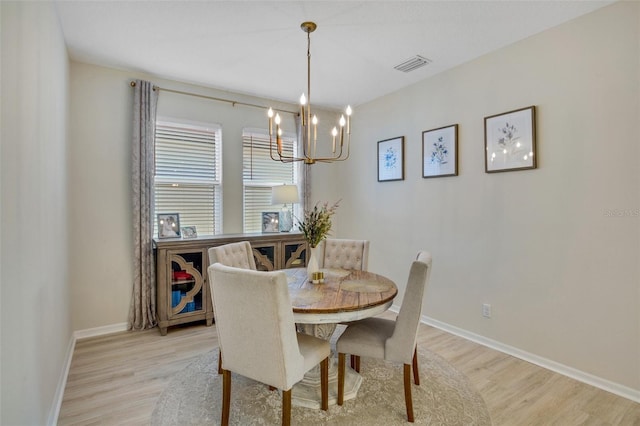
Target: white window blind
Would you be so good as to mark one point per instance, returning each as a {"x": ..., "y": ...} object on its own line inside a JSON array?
[
  {"x": 260, "y": 173},
  {"x": 188, "y": 174}
]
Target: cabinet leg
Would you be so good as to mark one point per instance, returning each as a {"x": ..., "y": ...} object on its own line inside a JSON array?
[{"x": 163, "y": 331}]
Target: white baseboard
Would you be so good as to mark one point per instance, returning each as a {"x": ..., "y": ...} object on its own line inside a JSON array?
[
  {"x": 62, "y": 383},
  {"x": 100, "y": 331},
  {"x": 581, "y": 376}
]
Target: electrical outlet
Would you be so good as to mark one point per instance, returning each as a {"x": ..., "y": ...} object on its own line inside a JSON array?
[{"x": 486, "y": 310}]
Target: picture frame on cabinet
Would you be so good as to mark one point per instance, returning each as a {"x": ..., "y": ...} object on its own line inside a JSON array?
[
  {"x": 391, "y": 159},
  {"x": 270, "y": 222},
  {"x": 189, "y": 232},
  {"x": 510, "y": 141},
  {"x": 168, "y": 225},
  {"x": 440, "y": 152}
]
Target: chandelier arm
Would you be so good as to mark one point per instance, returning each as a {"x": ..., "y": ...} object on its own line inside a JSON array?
[
  {"x": 281, "y": 157},
  {"x": 329, "y": 159}
]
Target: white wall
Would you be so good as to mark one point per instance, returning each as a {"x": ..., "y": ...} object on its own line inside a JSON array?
[
  {"x": 36, "y": 329},
  {"x": 100, "y": 175},
  {"x": 540, "y": 246}
]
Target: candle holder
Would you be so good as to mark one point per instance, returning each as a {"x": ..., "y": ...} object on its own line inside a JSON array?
[{"x": 317, "y": 277}]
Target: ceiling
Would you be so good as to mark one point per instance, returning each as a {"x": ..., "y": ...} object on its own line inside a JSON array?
[{"x": 258, "y": 48}]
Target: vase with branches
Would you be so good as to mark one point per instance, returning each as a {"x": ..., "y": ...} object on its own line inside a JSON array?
[{"x": 315, "y": 226}]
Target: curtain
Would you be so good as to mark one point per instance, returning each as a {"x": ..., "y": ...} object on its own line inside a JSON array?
[{"x": 142, "y": 313}]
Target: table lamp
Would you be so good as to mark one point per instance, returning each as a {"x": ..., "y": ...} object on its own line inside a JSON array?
[{"x": 285, "y": 194}]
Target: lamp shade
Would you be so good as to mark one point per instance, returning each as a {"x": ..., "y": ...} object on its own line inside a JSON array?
[{"x": 284, "y": 194}]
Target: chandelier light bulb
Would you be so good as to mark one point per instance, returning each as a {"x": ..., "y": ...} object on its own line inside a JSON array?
[
  {"x": 342, "y": 121},
  {"x": 278, "y": 119},
  {"x": 334, "y": 133},
  {"x": 348, "y": 110},
  {"x": 303, "y": 100},
  {"x": 270, "y": 115},
  {"x": 314, "y": 121}
]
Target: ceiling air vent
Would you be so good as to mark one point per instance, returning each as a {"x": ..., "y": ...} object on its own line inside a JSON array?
[{"x": 412, "y": 63}]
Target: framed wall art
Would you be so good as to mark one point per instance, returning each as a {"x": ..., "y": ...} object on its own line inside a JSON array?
[
  {"x": 440, "y": 152},
  {"x": 270, "y": 222},
  {"x": 510, "y": 141},
  {"x": 391, "y": 159},
  {"x": 168, "y": 225}
]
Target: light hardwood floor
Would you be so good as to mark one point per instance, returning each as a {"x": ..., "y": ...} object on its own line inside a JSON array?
[{"x": 116, "y": 379}]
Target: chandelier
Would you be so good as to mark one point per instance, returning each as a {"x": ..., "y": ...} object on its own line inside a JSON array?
[{"x": 309, "y": 124}]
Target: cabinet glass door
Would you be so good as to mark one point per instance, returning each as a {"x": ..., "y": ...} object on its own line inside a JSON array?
[
  {"x": 295, "y": 255},
  {"x": 186, "y": 283},
  {"x": 265, "y": 256}
]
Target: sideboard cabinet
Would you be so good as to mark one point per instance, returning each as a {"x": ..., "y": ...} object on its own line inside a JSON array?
[{"x": 182, "y": 284}]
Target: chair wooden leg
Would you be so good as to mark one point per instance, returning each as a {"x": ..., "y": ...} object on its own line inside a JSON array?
[
  {"x": 219, "y": 362},
  {"x": 341, "y": 362},
  {"x": 226, "y": 396},
  {"x": 356, "y": 364},
  {"x": 407, "y": 392},
  {"x": 286, "y": 407},
  {"x": 353, "y": 362},
  {"x": 416, "y": 373},
  {"x": 324, "y": 383}
]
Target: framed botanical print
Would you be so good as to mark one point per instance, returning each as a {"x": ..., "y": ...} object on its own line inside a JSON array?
[
  {"x": 510, "y": 141},
  {"x": 440, "y": 152},
  {"x": 391, "y": 159}
]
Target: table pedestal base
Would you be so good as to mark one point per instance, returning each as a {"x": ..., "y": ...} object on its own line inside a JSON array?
[{"x": 307, "y": 392}]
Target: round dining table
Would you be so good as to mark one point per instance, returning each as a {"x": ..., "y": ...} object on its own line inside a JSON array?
[{"x": 343, "y": 296}]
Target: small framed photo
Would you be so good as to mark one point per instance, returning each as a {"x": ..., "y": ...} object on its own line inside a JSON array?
[
  {"x": 391, "y": 159},
  {"x": 189, "y": 232},
  {"x": 168, "y": 225},
  {"x": 510, "y": 141},
  {"x": 270, "y": 222},
  {"x": 440, "y": 152}
]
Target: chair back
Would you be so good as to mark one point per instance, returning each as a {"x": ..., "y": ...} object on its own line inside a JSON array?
[
  {"x": 344, "y": 254},
  {"x": 255, "y": 325},
  {"x": 238, "y": 255},
  {"x": 400, "y": 346}
]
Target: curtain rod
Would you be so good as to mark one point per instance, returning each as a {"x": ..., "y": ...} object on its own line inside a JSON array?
[{"x": 233, "y": 103}]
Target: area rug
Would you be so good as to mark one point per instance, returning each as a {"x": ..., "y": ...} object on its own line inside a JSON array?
[{"x": 445, "y": 397}]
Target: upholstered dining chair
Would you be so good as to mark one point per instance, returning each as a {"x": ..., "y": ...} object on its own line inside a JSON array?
[
  {"x": 238, "y": 255},
  {"x": 257, "y": 334},
  {"x": 343, "y": 254},
  {"x": 387, "y": 339}
]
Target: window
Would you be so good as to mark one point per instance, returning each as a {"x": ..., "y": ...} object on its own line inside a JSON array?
[
  {"x": 260, "y": 173},
  {"x": 188, "y": 174}
]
